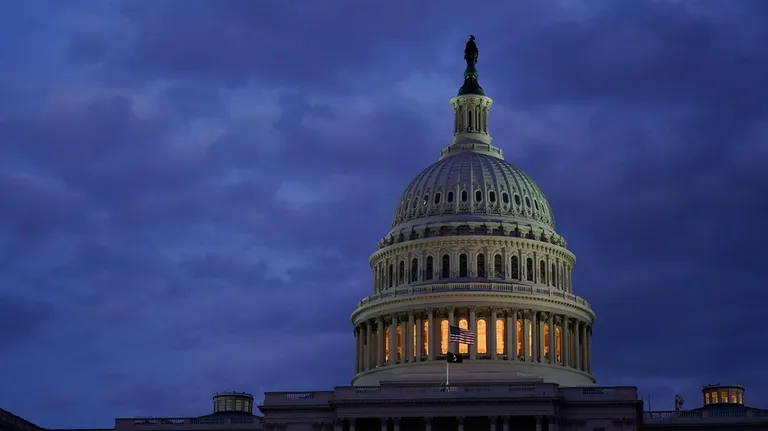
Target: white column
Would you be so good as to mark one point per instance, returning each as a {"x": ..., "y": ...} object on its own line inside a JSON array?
[
  {"x": 419, "y": 339},
  {"x": 492, "y": 333},
  {"x": 461, "y": 423},
  {"x": 368, "y": 344},
  {"x": 565, "y": 340},
  {"x": 505, "y": 423},
  {"x": 431, "y": 342},
  {"x": 393, "y": 340},
  {"x": 526, "y": 317},
  {"x": 511, "y": 335},
  {"x": 351, "y": 424},
  {"x": 452, "y": 347},
  {"x": 428, "y": 423},
  {"x": 380, "y": 341},
  {"x": 534, "y": 335},
  {"x": 552, "y": 339},
  {"x": 538, "y": 423},
  {"x": 473, "y": 328},
  {"x": 396, "y": 424},
  {"x": 408, "y": 348},
  {"x": 552, "y": 423},
  {"x": 493, "y": 420},
  {"x": 577, "y": 349}
]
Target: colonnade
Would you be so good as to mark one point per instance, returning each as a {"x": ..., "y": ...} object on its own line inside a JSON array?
[{"x": 422, "y": 335}]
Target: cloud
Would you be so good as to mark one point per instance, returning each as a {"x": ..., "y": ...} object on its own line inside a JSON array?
[{"x": 173, "y": 176}]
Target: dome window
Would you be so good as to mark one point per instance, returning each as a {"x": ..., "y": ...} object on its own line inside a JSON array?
[
  {"x": 445, "y": 270},
  {"x": 536, "y": 204},
  {"x": 492, "y": 197},
  {"x": 527, "y": 202},
  {"x": 450, "y": 197},
  {"x": 481, "y": 265},
  {"x": 478, "y": 196},
  {"x": 426, "y": 200},
  {"x": 464, "y": 196},
  {"x": 437, "y": 198},
  {"x": 430, "y": 268},
  {"x": 505, "y": 198},
  {"x": 414, "y": 270},
  {"x": 463, "y": 270},
  {"x": 517, "y": 199}
]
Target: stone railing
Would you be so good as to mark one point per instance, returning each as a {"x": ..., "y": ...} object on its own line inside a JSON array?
[
  {"x": 243, "y": 422},
  {"x": 441, "y": 392},
  {"x": 704, "y": 416},
  {"x": 437, "y": 287}
]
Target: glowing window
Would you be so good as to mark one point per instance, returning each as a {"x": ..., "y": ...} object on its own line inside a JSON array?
[
  {"x": 482, "y": 337},
  {"x": 230, "y": 405},
  {"x": 247, "y": 405},
  {"x": 714, "y": 397},
  {"x": 444, "y": 336},
  {"x": 706, "y": 398},
  {"x": 546, "y": 341},
  {"x": 239, "y": 405},
  {"x": 425, "y": 339},
  {"x": 519, "y": 338},
  {"x": 741, "y": 398},
  {"x": 723, "y": 397},
  {"x": 386, "y": 344},
  {"x": 500, "y": 336},
  {"x": 558, "y": 342},
  {"x": 734, "y": 399},
  {"x": 463, "y": 324},
  {"x": 415, "y": 347},
  {"x": 399, "y": 342}
]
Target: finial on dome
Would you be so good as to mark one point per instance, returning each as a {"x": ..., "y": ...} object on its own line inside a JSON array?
[{"x": 471, "y": 86}]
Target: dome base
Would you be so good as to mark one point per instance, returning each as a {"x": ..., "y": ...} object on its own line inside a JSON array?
[{"x": 474, "y": 371}]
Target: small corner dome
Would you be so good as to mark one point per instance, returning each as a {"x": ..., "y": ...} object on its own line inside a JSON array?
[{"x": 472, "y": 186}]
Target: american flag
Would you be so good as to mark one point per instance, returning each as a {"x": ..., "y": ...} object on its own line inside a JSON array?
[{"x": 461, "y": 336}]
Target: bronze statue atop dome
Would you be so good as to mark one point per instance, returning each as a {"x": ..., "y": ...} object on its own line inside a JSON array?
[{"x": 470, "y": 52}]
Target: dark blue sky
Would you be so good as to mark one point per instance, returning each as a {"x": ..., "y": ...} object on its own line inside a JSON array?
[{"x": 191, "y": 189}]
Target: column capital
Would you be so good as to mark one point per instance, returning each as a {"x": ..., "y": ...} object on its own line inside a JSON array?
[
  {"x": 472, "y": 308},
  {"x": 451, "y": 309},
  {"x": 543, "y": 315}
]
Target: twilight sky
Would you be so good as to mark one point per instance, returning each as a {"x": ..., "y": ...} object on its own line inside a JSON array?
[{"x": 190, "y": 190}]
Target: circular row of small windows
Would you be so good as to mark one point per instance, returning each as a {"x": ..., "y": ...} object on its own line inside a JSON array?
[{"x": 492, "y": 198}]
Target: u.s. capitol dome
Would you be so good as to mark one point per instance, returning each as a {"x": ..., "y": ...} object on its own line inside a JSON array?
[{"x": 473, "y": 244}]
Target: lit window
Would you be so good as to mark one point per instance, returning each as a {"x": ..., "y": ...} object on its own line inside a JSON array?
[
  {"x": 558, "y": 342},
  {"x": 425, "y": 338},
  {"x": 530, "y": 340},
  {"x": 714, "y": 397},
  {"x": 734, "y": 399},
  {"x": 482, "y": 337},
  {"x": 239, "y": 405},
  {"x": 741, "y": 398},
  {"x": 444, "y": 336},
  {"x": 546, "y": 340},
  {"x": 230, "y": 405},
  {"x": 415, "y": 347},
  {"x": 399, "y": 356},
  {"x": 500, "y": 336},
  {"x": 723, "y": 397},
  {"x": 386, "y": 344},
  {"x": 519, "y": 338},
  {"x": 706, "y": 398},
  {"x": 463, "y": 324},
  {"x": 247, "y": 405}
]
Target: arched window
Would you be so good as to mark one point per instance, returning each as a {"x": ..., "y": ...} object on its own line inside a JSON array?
[
  {"x": 546, "y": 341},
  {"x": 505, "y": 198},
  {"x": 437, "y": 198},
  {"x": 463, "y": 324},
  {"x": 497, "y": 267},
  {"x": 519, "y": 338},
  {"x": 450, "y": 197},
  {"x": 553, "y": 276},
  {"x": 446, "y": 270},
  {"x": 542, "y": 272},
  {"x": 481, "y": 265},
  {"x": 430, "y": 269},
  {"x": 399, "y": 356},
  {"x": 482, "y": 337},
  {"x": 517, "y": 199},
  {"x": 401, "y": 272},
  {"x": 478, "y": 196},
  {"x": 391, "y": 277},
  {"x": 529, "y": 269},
  {"x": 425, "y": 339},
  {"x": 492, "y": 196},
  {"x": 444, "y": 336},
  {"x": 386, "y": 344},
  {"x": 464, "y": 196},
  {"x": 500, "y": 335},
  {"x": 515, "y": 271},
  {"x": 462, "y": 265},
  {"x": 558, "y": 342},
  {"x": 414, "y": 270}
]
